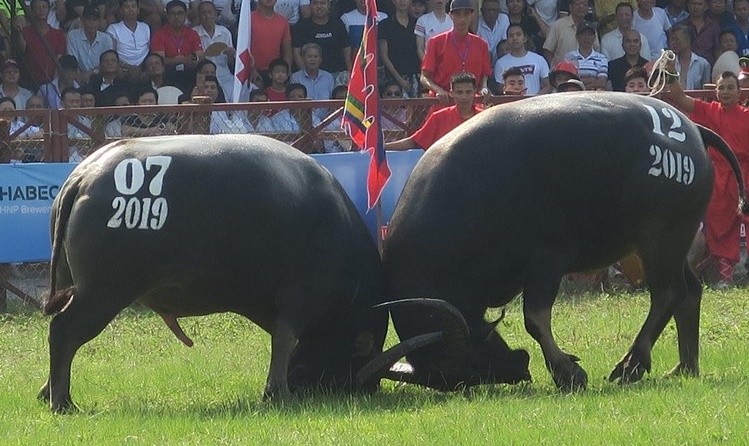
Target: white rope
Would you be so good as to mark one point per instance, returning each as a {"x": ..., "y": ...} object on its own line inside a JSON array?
[{"x": 658, "y": 78}]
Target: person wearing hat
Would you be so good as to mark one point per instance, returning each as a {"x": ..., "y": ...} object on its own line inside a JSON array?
[
  {"x": 67, "y": 78},
  {"x": 571, "y": 85},
  {"x": 562, "y": 37},
  {"x": 592, "y": 66},
  {"x": 88, "y": 43},
  {"x": 562, "y": 72},
  {"x": 730, "y": 120},
  {"x": 456, "y": 51},
  {"x": 9, "y": 88}
]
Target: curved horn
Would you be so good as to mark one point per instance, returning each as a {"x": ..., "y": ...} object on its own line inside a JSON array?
[
  {"x": 382, "y": 362},
  {"x": 422, "y": 315}
]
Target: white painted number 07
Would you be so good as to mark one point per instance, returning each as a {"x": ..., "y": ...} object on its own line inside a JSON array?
[{"x": 129, "y": 175}]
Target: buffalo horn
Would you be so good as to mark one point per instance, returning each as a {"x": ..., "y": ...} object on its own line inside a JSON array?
[{"x": 382, "y": 362}]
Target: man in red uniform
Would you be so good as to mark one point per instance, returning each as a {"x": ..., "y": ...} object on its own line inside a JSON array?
[
  {"x": 40, "y": 64},
  {"x": 463, "y": 90},
  {"x": 456, "y": 51},
  {"x": 177, "y": 43},
  {"x": 731, "y": 121}
]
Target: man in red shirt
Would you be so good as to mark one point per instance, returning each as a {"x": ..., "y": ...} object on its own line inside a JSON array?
[
  {"x": 456, "y": 51},
  {"x": 731, "y": 121},
  {"x": 39, "y": 63},
  {"x": 439, "y": 123},
  {"x": 177, "y": 43},
  {"x": 271, "y": 38}
]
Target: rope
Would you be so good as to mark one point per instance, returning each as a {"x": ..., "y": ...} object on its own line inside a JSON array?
[{"x": 659, "y": 75}]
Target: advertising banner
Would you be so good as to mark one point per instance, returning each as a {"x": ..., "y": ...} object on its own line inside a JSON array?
[
  {"x": 26, "y": 195},
  {"x": 27, "y": 192}
]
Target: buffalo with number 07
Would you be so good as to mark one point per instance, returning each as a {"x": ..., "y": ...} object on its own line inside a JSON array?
[
  {"x": 193, "y": 225},
  {"x": 524, "y": 193}
]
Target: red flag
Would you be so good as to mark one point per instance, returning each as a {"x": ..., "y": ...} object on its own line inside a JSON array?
[{"x": 361, "y": 113}]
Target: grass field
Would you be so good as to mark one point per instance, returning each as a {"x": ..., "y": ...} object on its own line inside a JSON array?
[{"x": 137, "y": 385}]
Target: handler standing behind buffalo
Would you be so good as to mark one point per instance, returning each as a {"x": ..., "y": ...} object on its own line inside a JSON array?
[
  {"x": 456, "y": 51},
  {"x": 439, "y": 123},
  {"x": 731, "y": 121}
]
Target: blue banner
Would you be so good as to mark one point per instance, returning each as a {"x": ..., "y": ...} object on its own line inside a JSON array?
[
  {"x": 26, "y": 195},
  {"x": 27, "y": 192}
]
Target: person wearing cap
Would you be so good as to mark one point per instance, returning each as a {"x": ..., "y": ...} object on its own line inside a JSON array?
[
  {"x": 562, "y": 72},
  {"x": 66, "y": 78},
  {"x": 10, "y": 75},
  {"x": 31, "y": 43},
  {"x": 631, "y": 43},
  {"x": 88, "y": 43},
  {"x": 730, "y": 120},
  {"x": 571, "y": 85},
  {"x": 533, "y": 66},
  {"x": 562, "y": 37},
  {"x": 442, "y": 121},
  {"x": 456, "y": 51},
  {"x": 592, "y": 66},
  {"x": 694, "y": 70}
]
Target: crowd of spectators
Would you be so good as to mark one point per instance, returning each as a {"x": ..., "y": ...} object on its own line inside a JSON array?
[{"x": 115, "y": 51}]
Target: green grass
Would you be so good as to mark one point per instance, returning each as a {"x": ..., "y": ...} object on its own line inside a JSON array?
[{"x": 137, "y": 385}]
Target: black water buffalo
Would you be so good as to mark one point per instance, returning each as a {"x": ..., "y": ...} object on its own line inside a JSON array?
[
  {"x": 527, "y": 192},
  {"x": 192, "y": 225}
]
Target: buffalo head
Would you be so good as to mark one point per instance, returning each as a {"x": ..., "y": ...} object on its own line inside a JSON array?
[{"x": 465, "y": 356}]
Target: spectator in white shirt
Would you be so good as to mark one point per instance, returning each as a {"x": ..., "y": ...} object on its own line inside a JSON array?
[
  {"x": 611, "y": 42},
  {"x": 435, "y": 22},
  {"x": 492, "y": 26},
  {"x": 214, "y": 36}
]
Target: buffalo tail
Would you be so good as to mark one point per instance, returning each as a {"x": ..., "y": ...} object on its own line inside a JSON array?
[{"x": 712, "y": 139}]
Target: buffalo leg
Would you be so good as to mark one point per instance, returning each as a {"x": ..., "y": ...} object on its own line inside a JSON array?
[
  {"x": 68, "y": 331},
  {"x": 687, "y": 317},
  {"x": 538, "y": 298},
  {"x": 283, "y": 342},
  {"x": 668, "y": 289}
]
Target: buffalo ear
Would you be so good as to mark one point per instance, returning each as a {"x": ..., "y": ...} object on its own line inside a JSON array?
[
  {"x": 363, "y": 344},
  {"x": 484, "y": 331}
]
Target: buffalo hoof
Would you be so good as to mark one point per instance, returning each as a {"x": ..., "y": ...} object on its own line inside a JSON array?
[
  {"x": 684, "y": 370},
  {"x": 43, "y": 394},
  {"x": 630, "y": 369},
  {"x": 573, "y": 379},
  {"x": 277, "y": 395},
  {"x": 64, "y": 407}
]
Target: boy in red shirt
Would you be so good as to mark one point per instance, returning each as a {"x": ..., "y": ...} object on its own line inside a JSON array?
[{"x": 439, "y": 123}]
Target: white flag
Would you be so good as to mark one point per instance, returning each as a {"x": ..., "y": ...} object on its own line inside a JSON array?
[{"x": 243, "y": 61}]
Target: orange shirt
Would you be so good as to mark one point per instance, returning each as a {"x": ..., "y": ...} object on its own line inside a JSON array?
[
  {"x": 268, "y": 33},
  {"x": 438, "y": 124}
]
